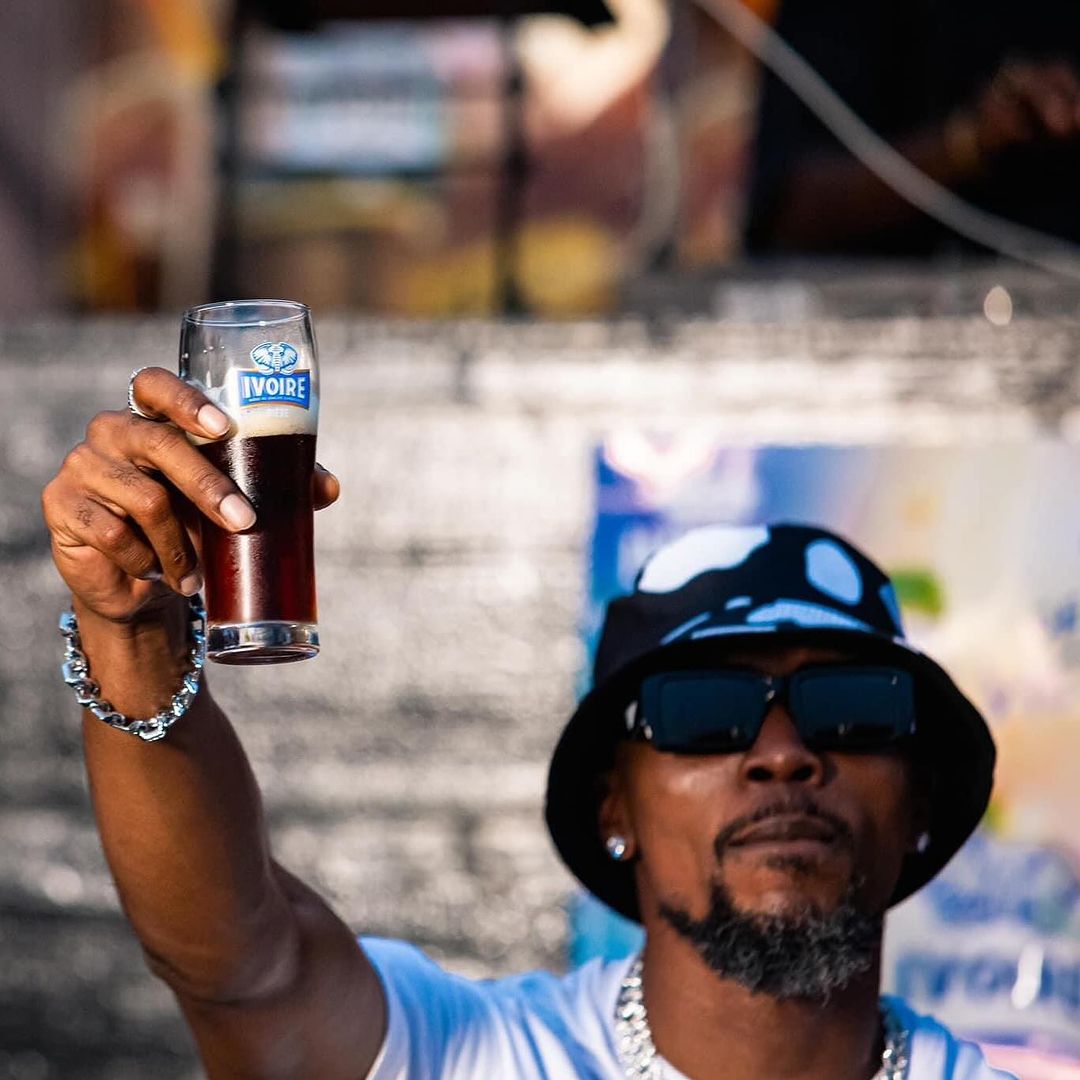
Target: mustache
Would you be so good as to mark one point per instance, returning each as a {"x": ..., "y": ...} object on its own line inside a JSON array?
[{"x": 784, "y": 807}]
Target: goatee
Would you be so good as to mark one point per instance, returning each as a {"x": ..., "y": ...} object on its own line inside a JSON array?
[{"x": 807, "y": 954}]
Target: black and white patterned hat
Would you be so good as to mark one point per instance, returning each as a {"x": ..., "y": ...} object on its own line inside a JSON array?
[{"x": 720, "y": 586}]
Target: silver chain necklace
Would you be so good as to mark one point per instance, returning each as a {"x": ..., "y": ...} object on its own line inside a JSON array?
[{"x": 640, "y": 1061}]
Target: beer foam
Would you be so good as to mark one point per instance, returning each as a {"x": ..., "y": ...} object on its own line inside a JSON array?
[
  {"x": 253, "y": 421},
  {"x": 259, "y": 421}
]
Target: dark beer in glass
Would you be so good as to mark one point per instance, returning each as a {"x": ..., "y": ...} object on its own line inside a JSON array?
[{"x": 256, "y": 360}]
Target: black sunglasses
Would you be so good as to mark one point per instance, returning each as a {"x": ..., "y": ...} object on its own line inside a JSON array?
[{"x": 721, "y": 712}]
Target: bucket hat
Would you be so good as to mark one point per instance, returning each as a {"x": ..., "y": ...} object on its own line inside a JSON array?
[{"x": 722, "y": 586}]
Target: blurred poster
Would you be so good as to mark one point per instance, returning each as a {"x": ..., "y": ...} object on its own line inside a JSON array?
[
  {"x": 374, "y": 158},
  {"x": 983, "y": 543},
  {"x": 383, "y": 98}
]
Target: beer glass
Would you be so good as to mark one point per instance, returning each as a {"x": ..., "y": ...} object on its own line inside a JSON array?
[{"x": 256, "y": 360}]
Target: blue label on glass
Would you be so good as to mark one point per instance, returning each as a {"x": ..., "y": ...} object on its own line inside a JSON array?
[
  {"x": 276, "y": 381},
  {"x": 259, "y": 389}
]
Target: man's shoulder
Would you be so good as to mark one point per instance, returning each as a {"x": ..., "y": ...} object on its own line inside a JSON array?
[
  {"x": 537, "y": 1025},
  {"x": 591, "y": 986},
  {"x": 938, "y": 1054}
]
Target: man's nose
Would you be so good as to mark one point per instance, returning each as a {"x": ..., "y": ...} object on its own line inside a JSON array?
[{"x": 779, "y": 755}]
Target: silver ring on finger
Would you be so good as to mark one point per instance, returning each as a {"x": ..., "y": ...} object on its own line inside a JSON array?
[{"x": 133, "y": 407}]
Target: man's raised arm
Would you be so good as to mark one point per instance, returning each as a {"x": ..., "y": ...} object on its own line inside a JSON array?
[{"x": 271, "y": 981}]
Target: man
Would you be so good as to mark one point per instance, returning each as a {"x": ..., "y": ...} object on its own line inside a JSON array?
[
  {"x": 762, "y": 768},
  {"x": 981, "y": 95}
]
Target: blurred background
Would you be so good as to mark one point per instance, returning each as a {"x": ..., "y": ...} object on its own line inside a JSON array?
[
  {"x": 550, "y": 157},
  {"x": 584, "y": 273}
]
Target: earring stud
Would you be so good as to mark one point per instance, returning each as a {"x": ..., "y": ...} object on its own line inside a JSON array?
[
  {"x": 616, "y": 847},
  {"x": 923, "y": 843}
]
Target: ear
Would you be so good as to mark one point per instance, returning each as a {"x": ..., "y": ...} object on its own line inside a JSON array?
[
  {"x": 920, "y": 823},
  {"x": 614, "y": 815}
]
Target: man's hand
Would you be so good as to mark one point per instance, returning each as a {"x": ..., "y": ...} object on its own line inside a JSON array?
[
  {"x": 1026, "y": 102},
  {"x": 123, "y": 510}
]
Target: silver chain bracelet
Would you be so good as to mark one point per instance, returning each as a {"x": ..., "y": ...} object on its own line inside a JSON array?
[{"x": 76, "y": 672}]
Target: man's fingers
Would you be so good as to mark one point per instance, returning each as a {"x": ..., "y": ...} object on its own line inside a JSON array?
[
  {"x": 1062, "y": 76},
  {"x": 128, "y": 492},
  {"x": 162, "y": 447},
  {"x": 1039, "y": 89},
  {"x": 325, "y": 487},
  {"x": 90, "y": 524},
  {"x": 161, "y": 394},
  {"x": 1055, "y": 110},
  {"x": 1003, "y": 118}
]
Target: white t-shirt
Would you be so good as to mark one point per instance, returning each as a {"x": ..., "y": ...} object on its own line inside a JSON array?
[{"x": 540, "y": 1026}]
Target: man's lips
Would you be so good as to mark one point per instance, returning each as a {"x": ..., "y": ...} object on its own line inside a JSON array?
[{"x": 785, "y": 829}]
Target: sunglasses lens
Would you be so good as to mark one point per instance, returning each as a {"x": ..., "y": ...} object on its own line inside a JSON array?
[
  {"x": 835, "y": 708},
  {"x": 853, "y": 708},
  {"x": 703, "y": 713}
]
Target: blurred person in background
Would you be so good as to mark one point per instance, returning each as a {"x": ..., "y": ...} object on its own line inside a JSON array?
[
  {"x": 43, "y": 44},
  {"x": 797, "y": 770},
  {"x": 982, "y": 95},
  {"x": 140, "y": 125}
]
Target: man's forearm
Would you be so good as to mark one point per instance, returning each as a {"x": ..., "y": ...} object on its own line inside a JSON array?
[
  {"x": 181, "y": 821},
  {"x": 832, "y": 198}
]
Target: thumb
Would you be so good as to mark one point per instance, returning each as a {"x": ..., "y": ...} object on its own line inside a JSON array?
[{"x": 325, "y": 487}]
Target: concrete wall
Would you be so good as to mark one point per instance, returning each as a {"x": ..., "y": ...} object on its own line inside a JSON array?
[{"x": 403, "y": 770}]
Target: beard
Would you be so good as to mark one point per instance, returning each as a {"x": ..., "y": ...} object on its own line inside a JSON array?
[{"x": 809, "y": 953}]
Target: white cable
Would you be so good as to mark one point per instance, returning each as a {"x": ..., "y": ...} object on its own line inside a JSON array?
[{"x": 1015, "y": 241}]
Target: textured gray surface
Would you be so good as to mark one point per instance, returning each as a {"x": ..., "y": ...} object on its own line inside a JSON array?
[{"x": 403, "y": 769}]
